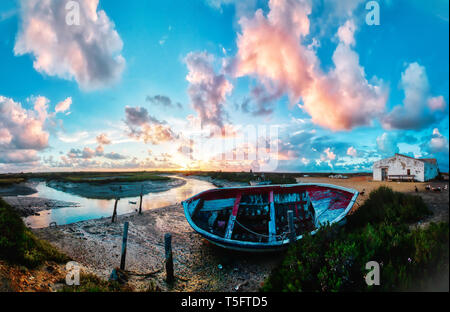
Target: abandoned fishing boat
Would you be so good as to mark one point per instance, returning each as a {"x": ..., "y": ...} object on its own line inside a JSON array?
[
  {"x": 254, "y": 183},
  {"x": 266, "y": 218}
]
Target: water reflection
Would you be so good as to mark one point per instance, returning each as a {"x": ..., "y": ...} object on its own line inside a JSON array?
[{"x": 99, "y": 208}]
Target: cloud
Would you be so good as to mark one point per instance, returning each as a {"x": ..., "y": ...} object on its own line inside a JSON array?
[
  {"x": 88, "y": 53},
  {"x": 115, "y": 156},
  {"x": 330, "y": 155},
  {"x": 73, "y": 137},
  {"x": 436, "y": 146},
  {"x": 387, "y": 144},
  {"x": 437, "y": 103},
  {"x": 419, "y": 109},
  {"x": 351, "y": 151},
  {"x": 86, "y": 153},
  {"x": 438, "y": 143},
  {"x": 207, "y": 89},
  {"x": 63, "y": 106},
  {"x": 272, "y": 49},
  {"x": 148, "y": 128},
  {"x": 99, "y": 150},
  {"x": 242, "y": 7},
  {"x": 102, "y": 139},
  {"x": 22, "y": 131},
  {"x": 163, "y": 101},
  {"x": 18, "y": 156}
]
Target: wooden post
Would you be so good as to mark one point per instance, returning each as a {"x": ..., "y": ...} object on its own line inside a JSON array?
[
  {"x": 140, "y": 203},
  {"x": 124, "y": 246},
  {"x": 114, "y": 216},
  {"x": 169, "y": 257},
  {"x": 292, "y": 234}
]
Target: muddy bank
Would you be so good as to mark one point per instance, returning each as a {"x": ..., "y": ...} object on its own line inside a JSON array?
[
  {"x": 113, "y": 190},
  {"x": 29, "y": 206},
  {"x": 20, "y": 189},
  {"x": 199, "y": 266}
]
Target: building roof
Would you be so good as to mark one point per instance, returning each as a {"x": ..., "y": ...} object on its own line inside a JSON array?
[{"x": 427, "y": 160}]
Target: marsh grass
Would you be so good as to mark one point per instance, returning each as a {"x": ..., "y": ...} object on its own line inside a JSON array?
[
  {"x": 18, "y": 245},
  {"x": 334, "y": 259},
  {"x": 10, "y": 181},
  {"x": 92, "y": 283}
]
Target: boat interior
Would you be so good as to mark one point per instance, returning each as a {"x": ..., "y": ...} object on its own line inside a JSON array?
[{"x": 260, "y": 217}]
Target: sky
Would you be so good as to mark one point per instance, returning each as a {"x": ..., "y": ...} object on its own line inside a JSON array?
[{"x": 266, "y": 85}]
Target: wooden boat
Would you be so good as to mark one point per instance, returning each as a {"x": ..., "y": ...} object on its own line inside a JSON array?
[
  {"x": 255, "y": 218},
  {"x": 254, "y": 183}
]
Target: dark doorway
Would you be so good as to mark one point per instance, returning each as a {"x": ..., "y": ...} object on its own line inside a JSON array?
[{"x": 384, "y": 174}]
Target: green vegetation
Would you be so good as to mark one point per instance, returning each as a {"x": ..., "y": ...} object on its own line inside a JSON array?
[
  {"x": 92, "y": 283},
  {"x": 396, "y": 208},
  {"x": 18, "y": 245},
  {"x": 334, "y": 259},
  {"x": 128, "y": 177},
  {"x": 246, "y": 177},
  {"x": 9, "y": 181},
  {"x": 85, "y": 176}
]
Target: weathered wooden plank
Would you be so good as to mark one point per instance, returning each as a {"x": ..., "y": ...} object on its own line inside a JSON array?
[
  {"x": 232, "y": 218},
  {"x": 217, "y": 204},
  {"x": 272, "y": 222}
]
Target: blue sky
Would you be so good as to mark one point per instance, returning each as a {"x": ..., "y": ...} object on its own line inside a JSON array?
[{"x": 135, "y": 84}]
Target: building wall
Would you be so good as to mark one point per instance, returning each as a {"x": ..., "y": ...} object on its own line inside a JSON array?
[
  {"x": 431, "y": 171},
  {"x": 399, "y": 165}
]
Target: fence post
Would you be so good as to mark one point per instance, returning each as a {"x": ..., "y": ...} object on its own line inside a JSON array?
[
  {"x": 113, "y": 219},
  {"x": 292, "y": 234},
  {"x": 169, "y": 257},
  {"x": 124, "y": 246},
  {"x": 140, "y": 203}
]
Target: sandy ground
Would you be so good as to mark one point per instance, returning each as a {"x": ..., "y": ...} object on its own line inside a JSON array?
[
  {"x": 438, "y": 202},
  {"x": 199, "y": 266},
  {"x": 46, "y": 278}
]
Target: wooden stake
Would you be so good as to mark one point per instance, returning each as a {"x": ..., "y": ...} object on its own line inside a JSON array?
[
  {"x": 114, "y": 216},
  {"x": 169, "y": 257},
  {"x": 140, "y": 203},
  {"x": 124, "y": 246}
]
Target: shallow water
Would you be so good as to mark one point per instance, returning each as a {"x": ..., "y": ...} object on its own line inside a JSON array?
[{"x": 99, "y": 208}]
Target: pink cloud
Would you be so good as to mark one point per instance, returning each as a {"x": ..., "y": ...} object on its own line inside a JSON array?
[
  {"x": 63, "y": 106},
  {"x": 88, "y": 53},
  {"x": 330, "y": 155},
  {"x": 271, "y": 49},
  {"x": 351, "y": 151},
  {"x": 22, "y": 131},
  {"x": 207, "y": 89},
  {"x": 437, "y": 103},
  {"x": 103, "y": 139}
]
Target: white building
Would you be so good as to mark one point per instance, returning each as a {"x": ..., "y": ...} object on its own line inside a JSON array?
[{"x": 401, "y": 167}]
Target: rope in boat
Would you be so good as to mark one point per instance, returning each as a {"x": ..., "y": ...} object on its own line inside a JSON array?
[{"x": 259, "y": 234}]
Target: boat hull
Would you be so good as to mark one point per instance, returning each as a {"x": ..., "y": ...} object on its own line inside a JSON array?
[{"x": 320, "y": 195}]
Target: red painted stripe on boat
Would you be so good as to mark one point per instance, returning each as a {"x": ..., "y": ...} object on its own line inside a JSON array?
[{"x": 236, "y": 205}]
